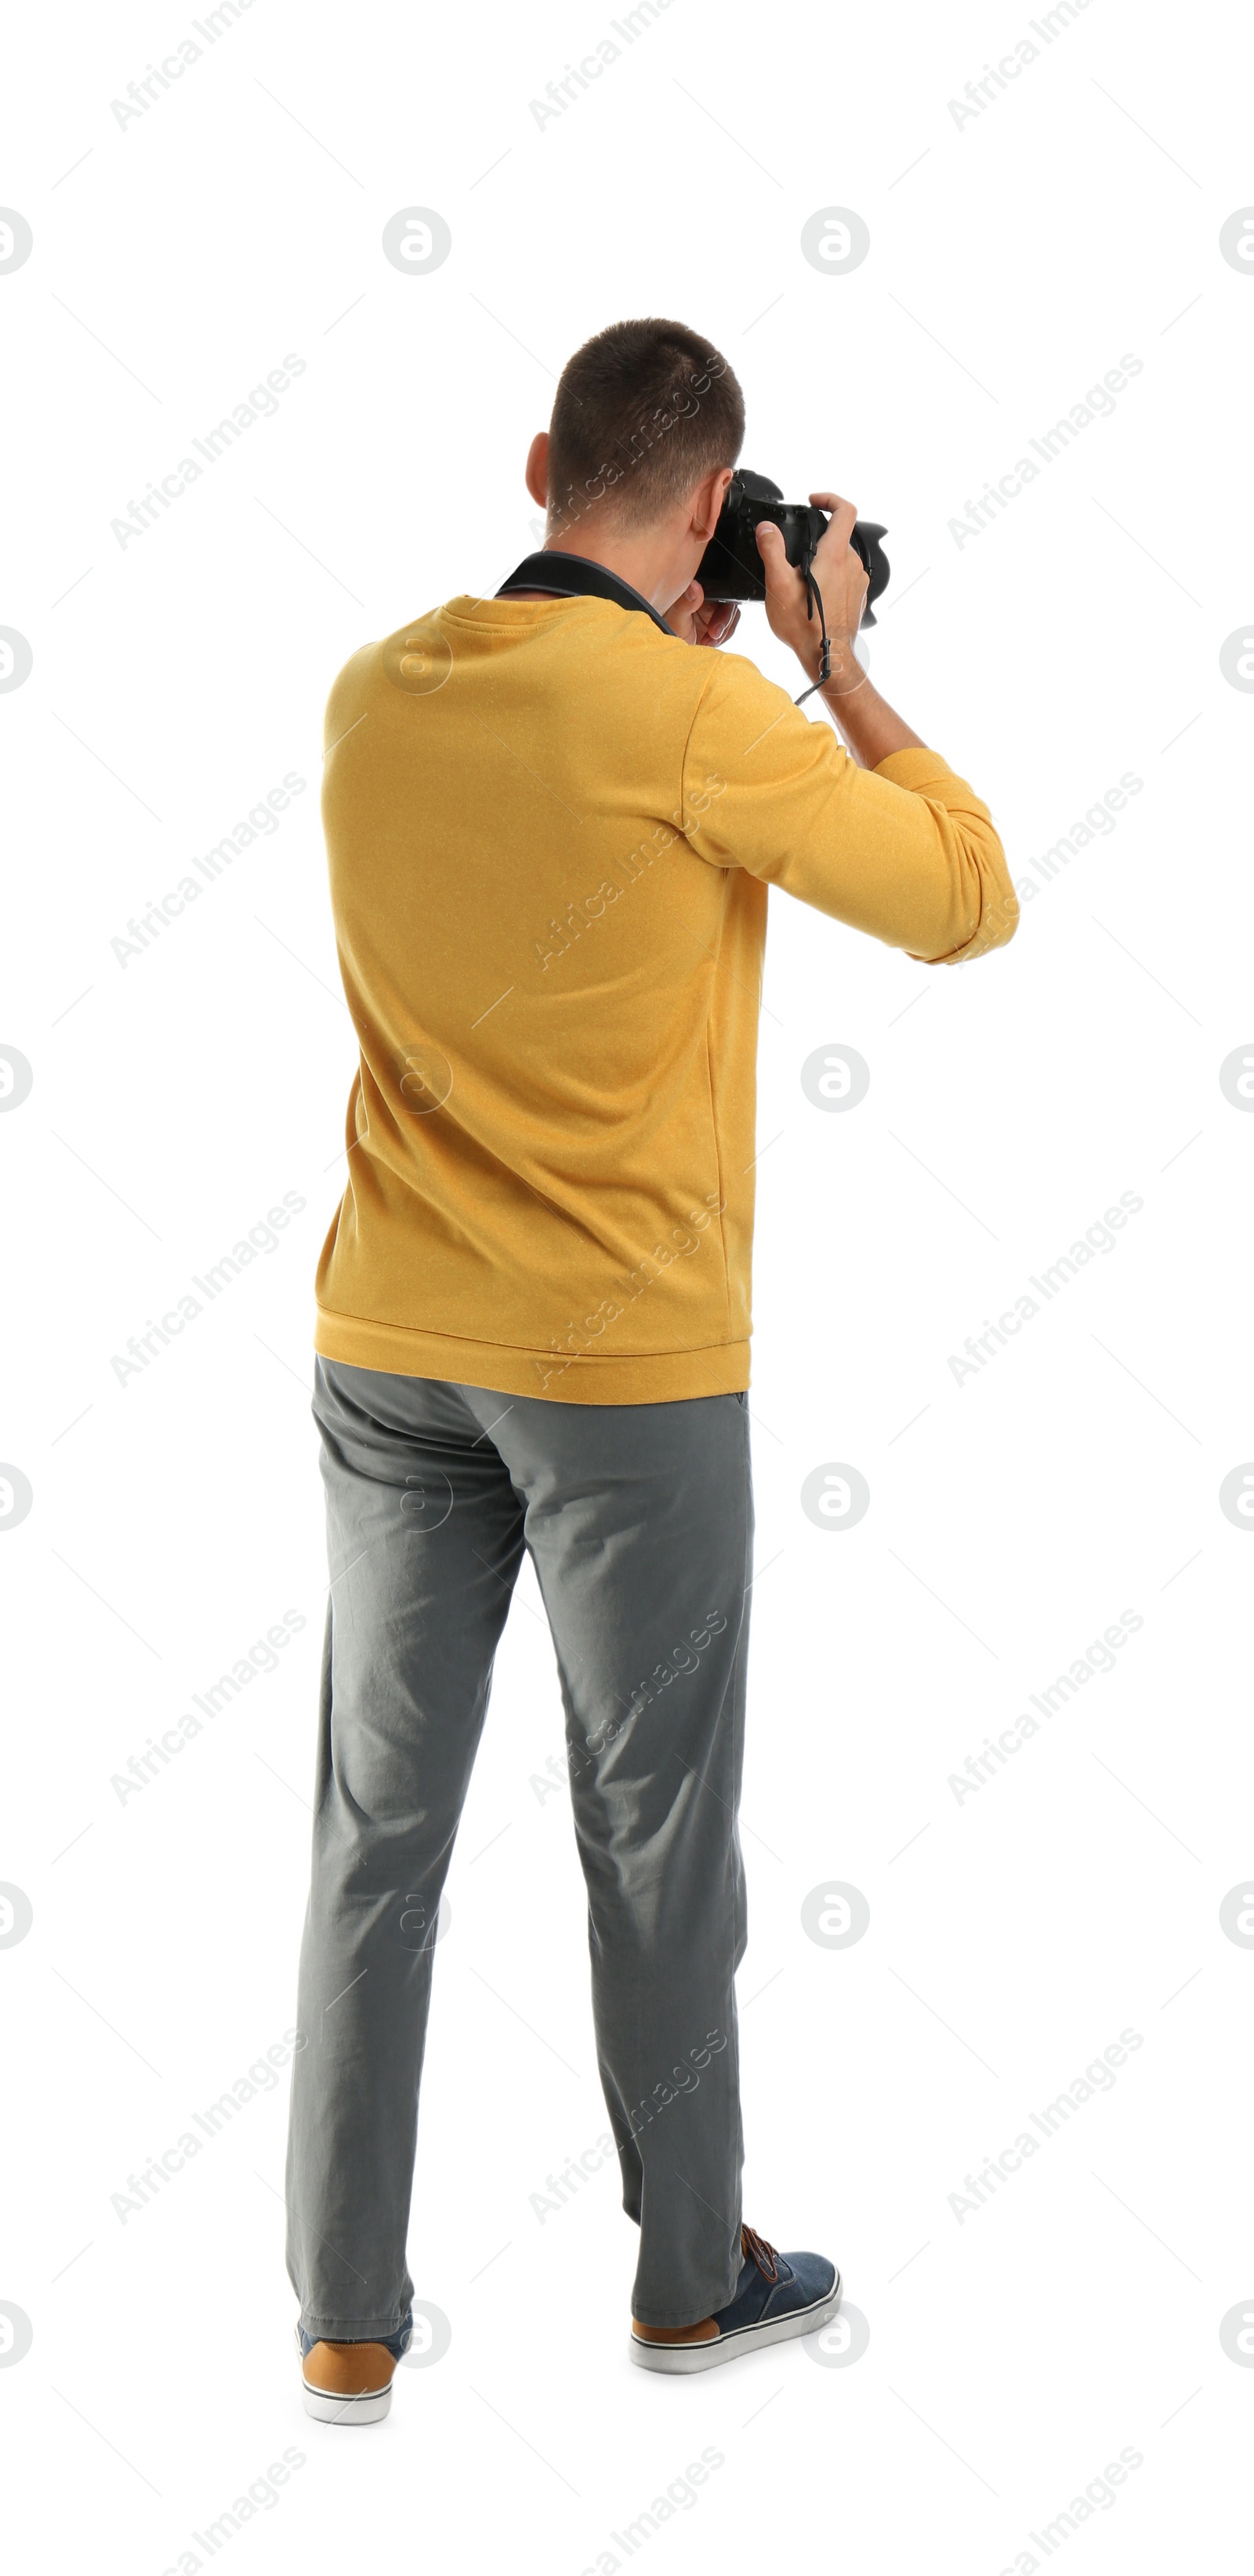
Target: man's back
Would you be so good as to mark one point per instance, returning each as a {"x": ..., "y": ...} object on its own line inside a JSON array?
[{"x": 550, "y": 830}]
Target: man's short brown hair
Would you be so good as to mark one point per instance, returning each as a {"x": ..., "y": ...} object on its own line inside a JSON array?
[{"x": 643, "y": 412}]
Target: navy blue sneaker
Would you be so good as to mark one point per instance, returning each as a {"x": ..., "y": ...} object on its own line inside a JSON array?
[
  {"x": 351, "y": 2382},
  {"x": 777, "y": 2295}
]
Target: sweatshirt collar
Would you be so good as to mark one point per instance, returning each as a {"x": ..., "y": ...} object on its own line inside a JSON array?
[{"x": 577, "y": 577}]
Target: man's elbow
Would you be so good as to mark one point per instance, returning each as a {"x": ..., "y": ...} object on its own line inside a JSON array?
[
  {"x": 989, "y": 918},
  {"x": 999, "y": 920}
]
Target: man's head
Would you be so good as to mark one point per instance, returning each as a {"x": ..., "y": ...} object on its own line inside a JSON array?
[{"x": 647, "y": 425}]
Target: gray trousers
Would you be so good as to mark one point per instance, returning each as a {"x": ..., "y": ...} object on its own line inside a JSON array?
[{"x": 639, "y": 1522}]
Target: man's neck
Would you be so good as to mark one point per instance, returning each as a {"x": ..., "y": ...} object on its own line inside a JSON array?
[{"x": 646, "y": 560}]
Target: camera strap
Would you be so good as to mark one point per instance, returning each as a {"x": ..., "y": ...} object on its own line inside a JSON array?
[
  {"x": 815, "y": 596},
  {"x": 577, "y": 577}
]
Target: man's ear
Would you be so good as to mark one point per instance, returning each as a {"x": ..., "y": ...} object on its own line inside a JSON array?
[
  {"x": 537, "y": 476},
  {"x": 707, "y": 501}
]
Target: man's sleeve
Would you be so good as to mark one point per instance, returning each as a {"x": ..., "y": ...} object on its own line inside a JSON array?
[{"x": 906, "y": 851}]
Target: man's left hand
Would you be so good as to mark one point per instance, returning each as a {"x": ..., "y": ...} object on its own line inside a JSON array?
[{"x": 698, "y": 620}]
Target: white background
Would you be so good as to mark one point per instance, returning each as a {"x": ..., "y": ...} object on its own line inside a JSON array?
[{"x": 1014, "y": 259}]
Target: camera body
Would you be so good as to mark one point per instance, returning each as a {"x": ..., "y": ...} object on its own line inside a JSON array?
[{"x": 732, "y": 568}]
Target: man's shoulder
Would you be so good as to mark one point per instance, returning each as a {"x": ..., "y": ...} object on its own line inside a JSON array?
[
  {"x": 412, "y": 659},
  {"x": 348, "y": 695},
  {"x": 738, "y": 693},
  {"x": 689, "y": 681}
]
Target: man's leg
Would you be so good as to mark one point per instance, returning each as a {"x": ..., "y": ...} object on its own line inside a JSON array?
[
  {"x": 424, "y": 1543},
  {"x": 639, "y": 1519}
]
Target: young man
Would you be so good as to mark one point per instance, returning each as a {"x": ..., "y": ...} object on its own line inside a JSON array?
[{"x": 551, "y": 825}]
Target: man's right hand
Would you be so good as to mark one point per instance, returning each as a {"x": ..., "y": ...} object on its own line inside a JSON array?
[{"x": 839, "y": 575}]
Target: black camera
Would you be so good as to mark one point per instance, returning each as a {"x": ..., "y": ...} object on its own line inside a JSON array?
[{"x": 732, "y": 568}]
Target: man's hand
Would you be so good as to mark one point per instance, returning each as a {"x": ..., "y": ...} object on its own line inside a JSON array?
[
  {"x": 698, "y": 620},
  {"x": 840, "y": 578}
]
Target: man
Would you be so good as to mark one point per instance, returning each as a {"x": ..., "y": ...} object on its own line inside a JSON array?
[{"x": 551, "y": 826}]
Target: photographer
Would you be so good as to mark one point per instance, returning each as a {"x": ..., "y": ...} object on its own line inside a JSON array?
[{"x": 552, "y": 817}]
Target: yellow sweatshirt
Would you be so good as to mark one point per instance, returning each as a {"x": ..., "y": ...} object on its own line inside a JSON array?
[{"x": 550, "y": 830}]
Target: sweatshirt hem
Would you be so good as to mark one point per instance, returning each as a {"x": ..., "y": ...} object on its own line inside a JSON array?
[{"x": 556, "y": 1376}]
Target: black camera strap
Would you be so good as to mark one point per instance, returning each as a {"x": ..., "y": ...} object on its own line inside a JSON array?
[
  {"x": 814, "y": 596},
  {"x": 577, "y": 577}
]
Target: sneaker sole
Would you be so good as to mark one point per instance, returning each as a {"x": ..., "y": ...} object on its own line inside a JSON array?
[
  {"x": 329, "y": 2409},
  {"x": 684, "y": 2357}
]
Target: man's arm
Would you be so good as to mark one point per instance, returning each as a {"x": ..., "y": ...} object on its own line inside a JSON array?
[
  {"x": 886, "y": 836},
  {"x": 870, "y": 726}
]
